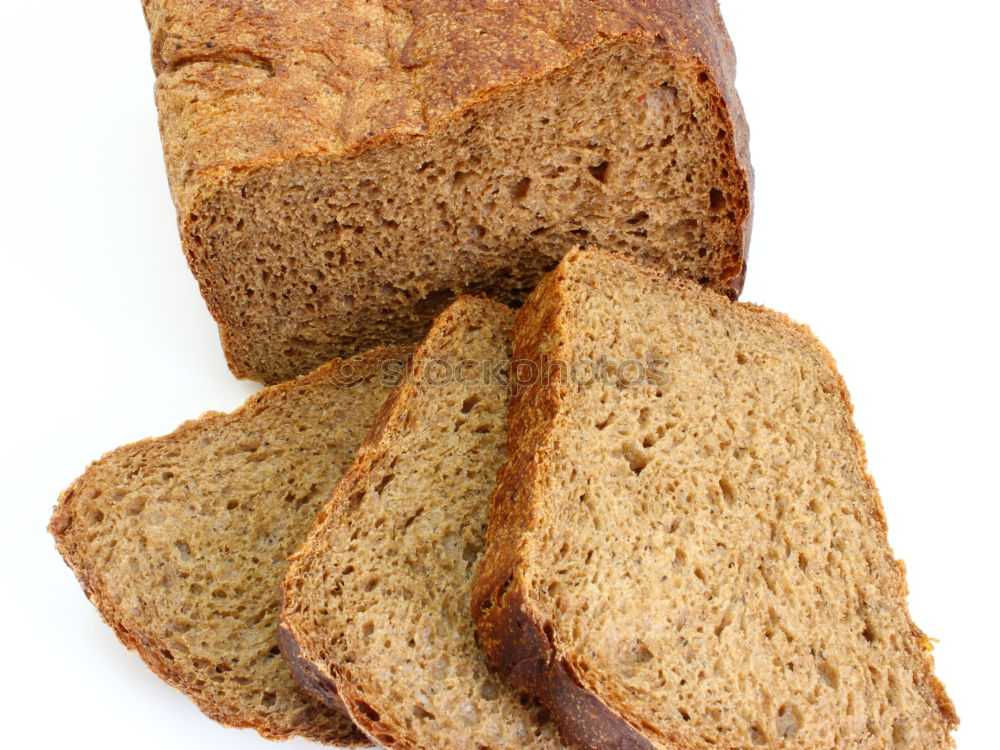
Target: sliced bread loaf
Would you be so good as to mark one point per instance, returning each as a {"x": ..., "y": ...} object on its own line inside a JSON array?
[
  {"x": 181, "y": 541},
  {"x": 685, "y": 547},
  {"x": 343, "y": 169},
  {"x": 376, "y": 606}
]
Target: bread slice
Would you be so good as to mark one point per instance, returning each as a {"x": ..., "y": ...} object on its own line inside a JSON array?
[
  {"x": 342, "y": 170},
  {"x": 685, "y": 547},
  {"x": 181, "y": 541},
  {"x": 376, "y": 606}
]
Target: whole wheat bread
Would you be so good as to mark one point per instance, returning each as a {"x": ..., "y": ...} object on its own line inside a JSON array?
[
  {"x": 376, "y": 609},
  {"x": 343, "y": 169},
  {"x": 685, "y": 548},
  {"x": 181, "y": 541}
]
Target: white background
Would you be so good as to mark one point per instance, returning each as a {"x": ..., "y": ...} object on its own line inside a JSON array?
[{"x": 874, "y": 137}]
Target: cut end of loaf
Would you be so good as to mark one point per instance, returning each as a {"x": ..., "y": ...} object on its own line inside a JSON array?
[{"x": 629, "y": 142}]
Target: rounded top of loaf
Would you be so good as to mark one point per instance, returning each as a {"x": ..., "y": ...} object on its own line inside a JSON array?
[{"x": 241, "y": 85}]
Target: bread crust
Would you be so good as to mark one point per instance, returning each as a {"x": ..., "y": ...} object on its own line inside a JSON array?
[
  {"x": 510, "y": 625},
  {"x": 147, "y": 645},
  {"x": 398, "y": 71},
  {"x": 439, "y": 38},
  {"x": 334, "y": 688}
]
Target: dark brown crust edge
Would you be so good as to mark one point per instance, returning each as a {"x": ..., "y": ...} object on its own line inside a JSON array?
[
  {"x": 146, "y": 647},
  {"x": 335, "y": 693},
  {"x": 524, "y": 650},
  {"x": 525, "y": 657},
  {"x": 306, "y": 674}
]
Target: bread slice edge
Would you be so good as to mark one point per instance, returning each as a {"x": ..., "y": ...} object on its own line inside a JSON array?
[
  {"x": 63, "y": 515},
  {"x": 508, "y": 622},
  {"x": 327, "y": 687}
]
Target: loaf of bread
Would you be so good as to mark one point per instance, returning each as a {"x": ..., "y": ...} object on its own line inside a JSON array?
[
  {"x": 376, "y": 610},
  {"x": 343, "y": 169},
  {"x": 685, "y": 548},
  {"x": 181, "y": 541}
]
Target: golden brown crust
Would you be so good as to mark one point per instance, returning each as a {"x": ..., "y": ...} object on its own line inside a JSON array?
[
  {"x": 399, "y": 69},
  {"x": 509, "y": 623},
  {"x": 146, "y": 645}
]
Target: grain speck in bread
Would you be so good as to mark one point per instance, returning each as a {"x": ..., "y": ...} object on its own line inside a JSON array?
[
  {"x": 692, "y": 554},
  {"x": 376, "y": 608},
  {"x": 343, "y": 169},
  {"x": 181, "y": 541}
]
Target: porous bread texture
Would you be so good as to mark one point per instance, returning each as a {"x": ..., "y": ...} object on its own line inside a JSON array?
[
  {"x": 342, "y": 170},
  {"x": 695, "y": 558},
  {"x": 181, "y": 541},
  {"x": 376, "y": 610}
]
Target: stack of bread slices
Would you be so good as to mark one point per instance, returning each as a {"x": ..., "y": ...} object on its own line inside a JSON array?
[
  {"x": 636, "y": 514},
  {"x": 631, "y": 513}
]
